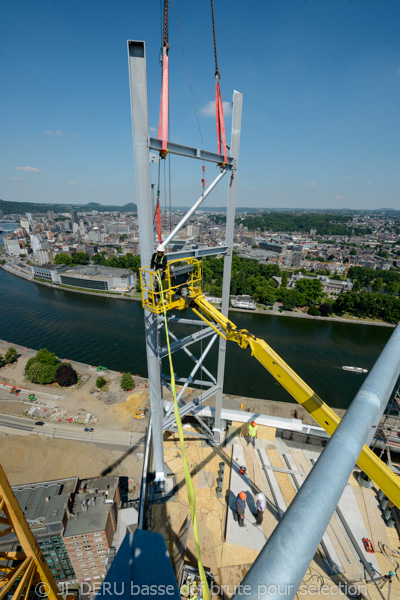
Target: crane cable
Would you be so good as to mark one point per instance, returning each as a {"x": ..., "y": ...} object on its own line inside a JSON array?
[
  {"x": 189, "y": 483},
  {"x": 221, "y": 136}
]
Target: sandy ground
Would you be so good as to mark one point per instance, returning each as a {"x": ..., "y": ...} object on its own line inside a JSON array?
[{"x": 33, "y": 458}]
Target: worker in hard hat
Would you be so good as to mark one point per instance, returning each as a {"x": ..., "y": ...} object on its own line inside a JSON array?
[
  {"x": 158, "y": 263},
  {"x": 159, "y": 260},
  {"x": 261, "y": 505},
  {"x": 252, "y": 433},
  {"x": 240, "y": 507}
]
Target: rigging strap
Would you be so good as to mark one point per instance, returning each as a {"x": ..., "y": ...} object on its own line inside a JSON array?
[
  {"x": 221, "y": 137},
  {"x": 163, "y": 119}
]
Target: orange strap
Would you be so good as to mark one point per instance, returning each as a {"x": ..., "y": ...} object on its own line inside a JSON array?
[
  {"x": 157, "y": 217},
  {"x": 220, "y": 120}
]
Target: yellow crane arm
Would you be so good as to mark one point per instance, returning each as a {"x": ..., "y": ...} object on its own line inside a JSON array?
[{"x": 384, "y": 478}]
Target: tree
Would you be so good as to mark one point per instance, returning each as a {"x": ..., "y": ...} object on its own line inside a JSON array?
[
  {"x": 10, "y": 356},
  {"x": 48, "y": 374},
  {"x": 34, "y": 373},
  {"x": 377, "y": 284},
  {"x": 313, "y": 310},
  {"x": 325, "y": 309},
  {"x": 127, "y": 382},
  {"x": 100, "y": 382},
  {"x": 392, "y": 287},
  {"x": 66, "y": 375},
  {"x": 46, "y": 357},
  {"x": 1, "y": 360},
  {"x": 63, "y": 259},
  {"x": 80, "y": 258},
  {"x": 285, "y": 278}
]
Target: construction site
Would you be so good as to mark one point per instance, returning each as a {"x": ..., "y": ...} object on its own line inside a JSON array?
[{"x": 330, "y": 522}]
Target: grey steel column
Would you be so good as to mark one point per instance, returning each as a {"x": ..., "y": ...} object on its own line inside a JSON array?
[
  {"x": 230, "y": 225},
  {"x": 139, "y": 109},
  {"x": 280, "y": 567}
]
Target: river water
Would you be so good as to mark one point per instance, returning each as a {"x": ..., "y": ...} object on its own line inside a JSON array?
[{"x": 101, "y": 331}]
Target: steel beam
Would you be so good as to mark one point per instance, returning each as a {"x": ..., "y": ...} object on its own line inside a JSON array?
[
  {"x": 190, "y": 406},
  {"x": 192, "y": 356},
  {"x": 230, "y": 225},
  {"x": 186, "y": 341},
  {"x": 282, "y": 563},
  {"x": 189, "y": 152},
  {"x": 193, "y": 209},
  {"x": 198, "y": 252},
  {"x": 139, "y": 110}
]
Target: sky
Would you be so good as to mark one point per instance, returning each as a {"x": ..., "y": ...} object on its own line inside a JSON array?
[{"x": 320, "y": 81}]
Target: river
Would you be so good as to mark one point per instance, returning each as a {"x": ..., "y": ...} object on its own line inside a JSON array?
[{"x": 101, "y": 331}]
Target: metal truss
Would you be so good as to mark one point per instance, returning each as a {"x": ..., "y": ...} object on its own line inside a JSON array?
[{"x": 24, "y": 571}]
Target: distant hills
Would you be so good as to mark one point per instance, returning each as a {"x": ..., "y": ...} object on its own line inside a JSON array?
[{"x": 24, "y": 207}]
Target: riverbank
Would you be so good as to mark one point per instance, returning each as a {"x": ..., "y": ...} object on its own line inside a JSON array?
[
  {"x": 277, "y": 312},
  {"x": 111, "y": 407}
]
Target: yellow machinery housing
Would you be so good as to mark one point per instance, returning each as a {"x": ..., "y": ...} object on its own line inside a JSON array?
[{"x": 181, "y": 288}]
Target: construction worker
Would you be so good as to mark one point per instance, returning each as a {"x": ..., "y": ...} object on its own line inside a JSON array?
[
  {"x": 158, "y": 263},
  {"x": 159, "y": 260},
  {"x": 252, "y": 433},
  {"x": 240, "y": 507},
  {"x": 261, "y": 505}
]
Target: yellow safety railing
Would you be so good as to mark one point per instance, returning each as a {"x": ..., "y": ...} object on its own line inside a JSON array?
[{"x": 180, "y": 280}]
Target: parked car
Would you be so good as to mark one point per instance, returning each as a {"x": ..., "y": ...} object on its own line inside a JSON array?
[
  {"x": 89, "y": 429},
  {"x": 39, "y": 423}
]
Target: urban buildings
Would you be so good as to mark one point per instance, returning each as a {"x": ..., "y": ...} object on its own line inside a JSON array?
[{"x": 73, "y": 521}]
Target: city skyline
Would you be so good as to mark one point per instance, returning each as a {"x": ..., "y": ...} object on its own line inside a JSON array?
[{"x": 320, "y": 111}]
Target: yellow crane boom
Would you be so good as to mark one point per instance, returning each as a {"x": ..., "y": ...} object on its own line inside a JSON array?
[{"x": 184, "y": 290}]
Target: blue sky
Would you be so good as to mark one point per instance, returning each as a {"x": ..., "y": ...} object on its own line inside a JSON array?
[{"x": 320, "y": 82}]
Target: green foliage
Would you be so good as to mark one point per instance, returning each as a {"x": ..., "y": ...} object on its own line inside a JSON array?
[
  {"x": 324, "y": 223},
  {"x": 368, "y": 305},
  {"x": 43, "y": 367},
  {"x": 63, "y": 259},
  {"x": 313, "y": 310},
  {"x": 34, "y": 373},
  {"x": 325, "y": 309},
  {"x": 100, "y": 382},
  {"x": 310, "y": 289},
  {"x": 127, "y": 382},
  {"x": 377, "y": 284},
  {"x": 366, "y": 276},
  {"x": 10, "y": 356},
  {"x": 66, "y": 375},
  {"x": 46, "y": 358},
  {"x": 285, "y": 278},
  {"x": 80, "y": 258},
  {"x": 1, "y": 360},
  {"x": 248, "y": 276},
  {"x": 48, "y": 374},
  {"x": 126, "y": 261}
]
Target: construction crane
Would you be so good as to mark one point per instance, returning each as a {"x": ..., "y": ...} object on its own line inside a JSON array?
[
  {"x": 25, "y": 570},
  {"x": 181, "y": 288}
]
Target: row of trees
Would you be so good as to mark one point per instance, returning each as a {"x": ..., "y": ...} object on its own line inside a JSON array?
[
  {"x": 121, "y": 261},
  {"x": 45, "y": 368},
  {"x": 369, "y": 305},
  {"x": 127, "y": 382},
  {"x": 79, "y": 258},
  {"x": 325, "y": 224}
]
